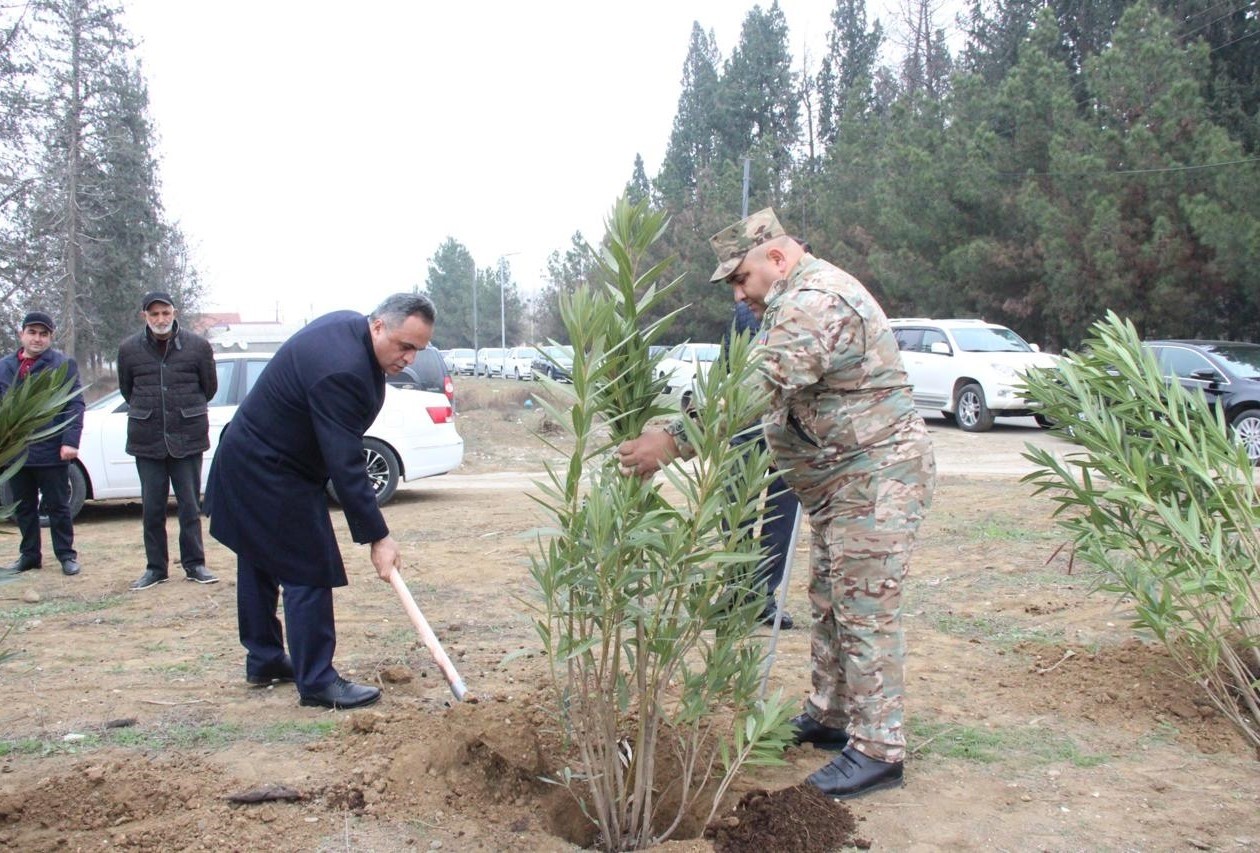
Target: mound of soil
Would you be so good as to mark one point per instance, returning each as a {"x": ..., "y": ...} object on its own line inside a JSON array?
[{"x": 800, "y": 818}]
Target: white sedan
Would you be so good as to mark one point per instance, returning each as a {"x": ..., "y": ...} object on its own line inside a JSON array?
[
  {"x": 682, "y": 365},
  {"x": 414, "y": 436}
]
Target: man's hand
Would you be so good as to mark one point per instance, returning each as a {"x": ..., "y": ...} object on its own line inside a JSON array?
[
  {"x": 646, "y": 454},
  {"x": 386, "y": 557},
  {"x": 68, "y": 453}
]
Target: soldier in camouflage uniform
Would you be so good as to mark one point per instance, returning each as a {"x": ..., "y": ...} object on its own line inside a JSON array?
[{"x": 844, "y": 431}]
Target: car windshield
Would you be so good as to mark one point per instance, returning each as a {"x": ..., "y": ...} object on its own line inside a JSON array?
[
  {"x": 989, "y": 339},
  {"x": 1240, "y": 359},
  {"x": 559, "y": 353},
  {"x": 462, "y": 353},
  {"x": 704, "y": 352}
]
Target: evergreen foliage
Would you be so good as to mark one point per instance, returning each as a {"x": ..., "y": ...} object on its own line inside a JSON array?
[
  {"x": 1077, "y": 156},
  {"x": 82, "y": 229}
]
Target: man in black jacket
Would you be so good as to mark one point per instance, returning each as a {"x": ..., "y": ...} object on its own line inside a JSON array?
[
  {"x": 167, "y": 375},
  {"x": 46, "y": 470}
]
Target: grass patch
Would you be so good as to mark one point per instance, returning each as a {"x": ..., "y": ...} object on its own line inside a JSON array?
[
  {"x": 989, "y": 746},
  {"x": 59, "y": 607},
  {"x": 178, "y": 736},
  {"x": 993, "y": 630},
  {"x": 496, "y": 394},
  {"x": 1006, "y": 530}
]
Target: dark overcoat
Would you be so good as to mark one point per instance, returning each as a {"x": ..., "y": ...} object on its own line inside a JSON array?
[{"x": 301, "y": 425}]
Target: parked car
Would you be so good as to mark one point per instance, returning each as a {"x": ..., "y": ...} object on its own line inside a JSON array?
[
  {"x": 519, "y": 363},
  {"x": 489, "y": 361},
  {"x": 429, "y": 372},
  {"x": 1228, "y": 374},
  {"x": 414, "y": 436},
  {"x": 554, "y": 362},
  {"x": 463, "y": 361},
  {"x": 682, "y": 365},
  {"x": 970, "y": 370}
]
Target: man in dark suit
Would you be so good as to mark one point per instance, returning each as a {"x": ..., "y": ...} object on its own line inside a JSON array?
[{"x": 300, "y": 426}]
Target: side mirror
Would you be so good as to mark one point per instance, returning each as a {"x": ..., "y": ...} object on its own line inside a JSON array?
[
  {"x": 1035, "y": 347},
  {"x": 939, "y": 348},
  {"x": 1206, "y": 374}
]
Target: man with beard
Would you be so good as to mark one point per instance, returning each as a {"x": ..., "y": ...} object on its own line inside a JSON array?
[
  {"x": 167, "y": 375},
  {"x": 845, "y": 434}
]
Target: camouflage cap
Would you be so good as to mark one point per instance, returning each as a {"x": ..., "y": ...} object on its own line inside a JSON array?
[{"x": 731, "y": 244}]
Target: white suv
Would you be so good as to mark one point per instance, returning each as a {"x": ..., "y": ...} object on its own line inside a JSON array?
[{"x": 972, "y": 371}]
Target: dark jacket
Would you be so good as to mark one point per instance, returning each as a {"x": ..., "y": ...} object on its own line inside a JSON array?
[
  {"x": 300, "y": 426},
  {"x": 47, "y": 452},
  {"x": 168, "y": 393}
]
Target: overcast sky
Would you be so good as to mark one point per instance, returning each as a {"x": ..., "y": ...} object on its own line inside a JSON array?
[{"x": 317, "y": 153}]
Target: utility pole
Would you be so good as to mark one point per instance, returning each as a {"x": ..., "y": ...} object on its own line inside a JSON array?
[
  {"x": 744, "y": 209},
  {"x": 474, "y": 271},
  {"x": 503, "y": 268}
]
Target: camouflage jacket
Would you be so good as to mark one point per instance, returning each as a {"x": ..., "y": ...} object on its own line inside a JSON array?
[{"x": 840, "y": 402}]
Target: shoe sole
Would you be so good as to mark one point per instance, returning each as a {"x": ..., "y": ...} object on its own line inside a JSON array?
[
  {"x": 882, "y": 786},
  {"x": 199, "y": 580},
  {"x": 826, "y": 746},
  {"x": 147, "y": 585},
  {"x": 337, "y": 706},
  {"x": 267, "y": 682}
]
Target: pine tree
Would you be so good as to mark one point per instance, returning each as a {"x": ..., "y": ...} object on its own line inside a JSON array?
[{"x": 847, "y": 76}]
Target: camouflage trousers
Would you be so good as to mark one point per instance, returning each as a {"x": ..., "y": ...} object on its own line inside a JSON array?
[{"x": 862, "y": 536}]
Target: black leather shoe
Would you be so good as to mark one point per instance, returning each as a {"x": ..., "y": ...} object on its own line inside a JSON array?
[
  {"x": 809, "y": 730},
  {"x": 282, "y": 671},
  {"x": 198, "y": 574},
  {"x": 343, "y": 694},
  {"x": 69, "y": 567},
  {"x": 148, "y": 579},
  {"x": 785, "y": 621},
  {"x": 23, "y": 564},
  {"x": 852, "y": 774}
]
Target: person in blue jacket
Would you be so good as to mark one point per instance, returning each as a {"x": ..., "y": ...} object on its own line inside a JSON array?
[
  {"x": 46, "y": 470},
  {"x": 782, "y": 506},
  {"x": 301, "y": 426}
]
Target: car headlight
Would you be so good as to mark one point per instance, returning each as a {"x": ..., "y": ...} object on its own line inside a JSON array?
[{"x": 1006, "y": 372}]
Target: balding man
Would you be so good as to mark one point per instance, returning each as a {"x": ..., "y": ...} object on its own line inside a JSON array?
[{"x": 844, "y": 432}]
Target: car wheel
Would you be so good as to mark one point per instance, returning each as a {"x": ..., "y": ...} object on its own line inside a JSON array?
[
  {"x": 517, "y": 371},
  {"x": 971, "y": 411},
  {"x": 78, "y": 490},
  {"x": 1043, "y": 421},
  {"x": 1246, "y": 426},
  {"x": 382, "y": 470}
]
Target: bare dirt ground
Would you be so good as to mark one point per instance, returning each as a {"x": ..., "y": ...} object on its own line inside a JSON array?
[{"x": 1038, "y": 719}]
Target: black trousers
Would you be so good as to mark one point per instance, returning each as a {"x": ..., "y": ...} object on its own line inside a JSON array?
[
  {"x": 777, "y": 519},
  {"x": 53, "y": 482},
  {"x": 158, "y": 478},
  {"x": 308, "y": 616},
  {"x": 782, "y": 504}
]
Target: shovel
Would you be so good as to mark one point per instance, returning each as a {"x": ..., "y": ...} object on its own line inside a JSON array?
[{"x": 429, "y": 639}]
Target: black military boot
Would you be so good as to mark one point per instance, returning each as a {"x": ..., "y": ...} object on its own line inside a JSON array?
[
  {"x": 852, "y": 774},
  {"x": 809, "y": 730}
]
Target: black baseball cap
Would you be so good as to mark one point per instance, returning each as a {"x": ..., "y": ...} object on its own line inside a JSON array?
[
  {"x": 39, "y": 318},
  {"x": 156, "y": 296}
]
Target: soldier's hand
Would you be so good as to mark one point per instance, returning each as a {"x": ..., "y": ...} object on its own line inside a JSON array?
[
  {"x": 386, "y": 557},
  {"x": 644, "y": 456},
  {"x": 68, "y": 453}
]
